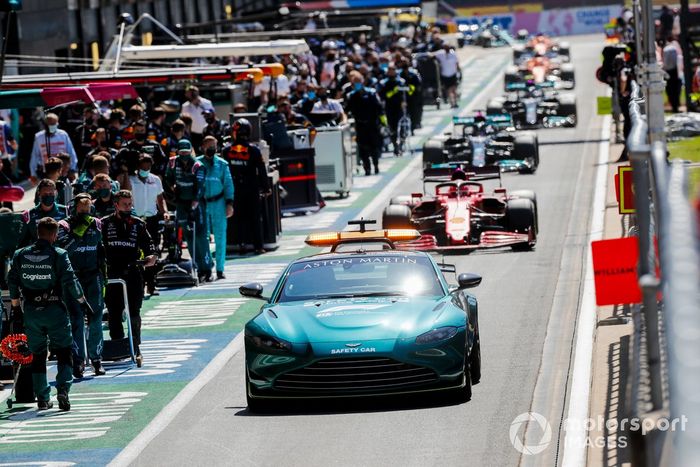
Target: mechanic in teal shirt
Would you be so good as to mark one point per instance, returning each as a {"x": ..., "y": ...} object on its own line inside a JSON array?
[
  {"x": 181, "y": 178},
  {"x": 81, "y": 236},
  {"x": 41, "y": 273},
  {"x": 215, "y": 195},
  {"x": 47, "y": 207}
]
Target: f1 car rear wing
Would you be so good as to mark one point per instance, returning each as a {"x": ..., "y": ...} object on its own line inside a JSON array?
[
  {"x": 518, "y": 86},
  {"x": 496, "y": 120},
  {"x": 439, "y": 173}
]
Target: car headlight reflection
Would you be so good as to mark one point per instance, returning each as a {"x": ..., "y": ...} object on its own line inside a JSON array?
[{"x": 436, "y": 335}]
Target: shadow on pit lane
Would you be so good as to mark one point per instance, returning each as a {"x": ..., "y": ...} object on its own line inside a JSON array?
[
  {"x": 344, "y": 406},
  {"x": 573, "y": 141}
]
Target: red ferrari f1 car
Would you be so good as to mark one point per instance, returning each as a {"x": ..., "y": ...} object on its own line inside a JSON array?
[{"x": 460, "y": 215}]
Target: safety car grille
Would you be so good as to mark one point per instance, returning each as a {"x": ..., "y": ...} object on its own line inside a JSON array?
[{"x": 355, "y": 374}]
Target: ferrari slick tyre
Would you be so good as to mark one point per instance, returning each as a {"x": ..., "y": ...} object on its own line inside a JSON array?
[
  {"x": 401, "y": 200},
  {"x": 475, "y": 362},
  {"x": 520, "y": 217},
  {"x": 528, "y": 194},
  {"x": 396, "y": 216}
]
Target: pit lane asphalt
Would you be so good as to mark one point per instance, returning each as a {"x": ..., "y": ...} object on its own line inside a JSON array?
[{"x": 522, "y": 293}]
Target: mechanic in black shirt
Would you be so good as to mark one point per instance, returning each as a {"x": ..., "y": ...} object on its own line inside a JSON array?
[
  {"x": 126, "y": 241},
  {"x": 250, "y": 182},
  {"x": 141, "y": 145},
  {"x": 365, "y": 107}
]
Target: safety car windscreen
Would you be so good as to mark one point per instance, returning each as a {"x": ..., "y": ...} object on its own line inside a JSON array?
[{"x": 365, "y": 276}]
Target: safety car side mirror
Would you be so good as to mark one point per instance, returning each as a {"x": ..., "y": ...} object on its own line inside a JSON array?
[
  {"x": 468, "y": 280},
  {"x": 252, "y": 290}
]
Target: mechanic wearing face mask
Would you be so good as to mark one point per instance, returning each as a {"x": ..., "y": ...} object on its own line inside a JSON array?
[
  {"x": 182, "y": 181},
  {"x": 42, "y": 274},
  {"x": 80, "y": 234},
  {"x": 364, "y": 105},
  {"x": 142, "y": 145},
  {"x": 126, "y": 241},
  {"x": 47, "y": 143},
  {"x": 102, "y": 193},
  {"x": 47, "y": 207},
  {"x": 215, "y": 195},
  {"x": 149, "y": 205}
]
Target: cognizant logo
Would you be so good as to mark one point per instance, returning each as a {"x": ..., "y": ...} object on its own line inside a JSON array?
[{"x": 36, "y": 277}]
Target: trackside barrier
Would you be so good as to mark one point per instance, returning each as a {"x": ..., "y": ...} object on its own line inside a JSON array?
[{"x": 665, "y": 371}]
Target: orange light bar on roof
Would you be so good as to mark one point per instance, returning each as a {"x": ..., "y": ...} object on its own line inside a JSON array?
[
  {"x": 271, "y": 69},
  {"x": 254, "y": 74},
  {"x": 324, "y": 239}
]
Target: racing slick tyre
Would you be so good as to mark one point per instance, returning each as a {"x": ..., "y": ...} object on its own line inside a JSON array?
[
  {"x": 475, "y": 362},
  {"x": 567, "y": 74},
  {"x": 526, "y": 147},
  {"x": 433, "y": 152},
  {"x": 521, "y": 218},
  {"x": 567, "y": 107},
  {"x": 495, "y": 106},
  {"x": 396, "y": 216},
  {"x": 517, "y": 53},
  {"x": 402, "y": 200},
  {"x": 512, "y": 76},
  {"x": 564, "y": 50},
  {"x": 528, "y": 194}
]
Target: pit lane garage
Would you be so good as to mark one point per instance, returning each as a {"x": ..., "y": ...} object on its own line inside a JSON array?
[{"x": 365, "y": 319}]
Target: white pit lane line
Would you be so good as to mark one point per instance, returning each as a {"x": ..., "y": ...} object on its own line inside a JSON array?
[{"x": 575, "y": 440}]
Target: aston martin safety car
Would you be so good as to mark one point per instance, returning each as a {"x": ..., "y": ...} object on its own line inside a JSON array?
[
  {"x": 481, "y": 140},
  {"x": 535, "y": 105},
  {"x": 541, "y": 60},
  {"x": 365, "y": 319},
  {"x": 459, "y": 214}
]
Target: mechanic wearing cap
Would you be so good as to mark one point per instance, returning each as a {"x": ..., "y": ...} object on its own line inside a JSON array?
[
  {"x": 215, "y": 195},
  {"x": 364, "y": 105},
  {"x": 142, "y": 145},
  {"x": 41, "y": 273},
  {"x": 47, "y": 143},
  {"x": 126, "y": 242},
  {"x": 250, "y": 180},
  {"x": 47, "y": 207},
  {"x": 196, "y": 106},
  {"x": 80, "y": 234},
  {"x": 215, "y": 126},
  {"x": 182, "y": 180},
  {"x": 149, "y": 205}
]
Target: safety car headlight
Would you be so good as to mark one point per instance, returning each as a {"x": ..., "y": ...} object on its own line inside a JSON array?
[
  {"x": 269, "y": 342},
  {"x": 436, "y": 335}
]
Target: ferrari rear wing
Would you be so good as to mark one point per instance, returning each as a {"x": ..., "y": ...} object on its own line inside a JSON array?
[{"x": 438, "y": 173}]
